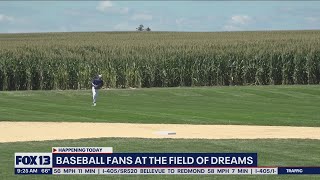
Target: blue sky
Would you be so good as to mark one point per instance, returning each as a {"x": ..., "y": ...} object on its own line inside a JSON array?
[{"x": 66, "y": 16}]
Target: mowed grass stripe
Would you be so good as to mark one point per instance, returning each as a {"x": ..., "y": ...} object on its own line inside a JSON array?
[
  {"x": 270, "y": 153},
  {"x": 244, "y": 105}
]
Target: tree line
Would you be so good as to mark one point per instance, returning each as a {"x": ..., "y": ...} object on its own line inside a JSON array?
[{"x": 141, "y": 28}]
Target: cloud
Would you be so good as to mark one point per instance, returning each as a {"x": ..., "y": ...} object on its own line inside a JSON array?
[
  {"x": 237, "y": 23},
  {"x": 286, "y": 10},
  {"x": 298, "y": 11},
  {"x": 119, "y": 10},
  {"x": 312, "y": 19},
  {"x": 124, "y": 27},
  {"x": 32, "y": 30},
  {"x": 141, "y": 16},
  {"x": 241, "y": 19},
  {"x": 124, "y": 10},
  {"x": 232, "y": 28},
  {"x": 62, "y": 29},
  {"x": 73, "y": 12},
  {"x": 187, "y": 21},
  {"x": 5, "y": 18},
  {"x": 104, "y": 6},
  {"x": 312, "y": 22},
  {"x": 107, "y": 6},
  {"x": 181, "y": 21},
  {"x": 212, "y": 18}
]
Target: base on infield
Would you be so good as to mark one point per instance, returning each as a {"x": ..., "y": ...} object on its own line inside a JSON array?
[{"x": 166, "y": 133}]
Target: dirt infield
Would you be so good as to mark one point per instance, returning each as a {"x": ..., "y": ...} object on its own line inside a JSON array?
[{"x": 40, "y": 131}]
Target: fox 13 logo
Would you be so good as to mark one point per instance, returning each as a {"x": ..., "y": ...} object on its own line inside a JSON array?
[{"x": 33, "y": 160}]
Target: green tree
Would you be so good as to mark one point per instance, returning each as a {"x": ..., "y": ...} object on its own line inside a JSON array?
[{"x": 140, "y": 28}]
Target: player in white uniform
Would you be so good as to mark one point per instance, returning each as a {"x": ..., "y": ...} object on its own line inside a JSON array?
[{"x": 97, "y": 83}]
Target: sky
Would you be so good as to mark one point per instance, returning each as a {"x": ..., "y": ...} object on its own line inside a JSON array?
[{"x": 209, "y": 16}]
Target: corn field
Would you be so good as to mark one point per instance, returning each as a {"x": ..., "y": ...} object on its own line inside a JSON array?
[{"x": 158, "y": 59}]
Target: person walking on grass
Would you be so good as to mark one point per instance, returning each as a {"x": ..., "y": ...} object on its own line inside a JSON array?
[{"x": 97, "y": 83}]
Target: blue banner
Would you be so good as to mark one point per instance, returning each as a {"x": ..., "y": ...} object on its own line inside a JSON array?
[
  {"x": 155, "y": 160},
  {"x": 298, "y": 170}
]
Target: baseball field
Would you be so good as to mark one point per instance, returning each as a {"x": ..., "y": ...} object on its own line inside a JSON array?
[
  {"x": 280, "y": 123},
  {"x": 219, "y": 92}
]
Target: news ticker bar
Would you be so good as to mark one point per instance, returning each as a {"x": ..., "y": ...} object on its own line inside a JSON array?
[
  {"x": 102, "y": 160},
  {"x": 176, "y": 171}
]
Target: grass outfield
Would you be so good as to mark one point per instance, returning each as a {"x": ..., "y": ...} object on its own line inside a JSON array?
[
  {"x": 270, "y": 153},
  {"x": 247, "y": 105}
]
